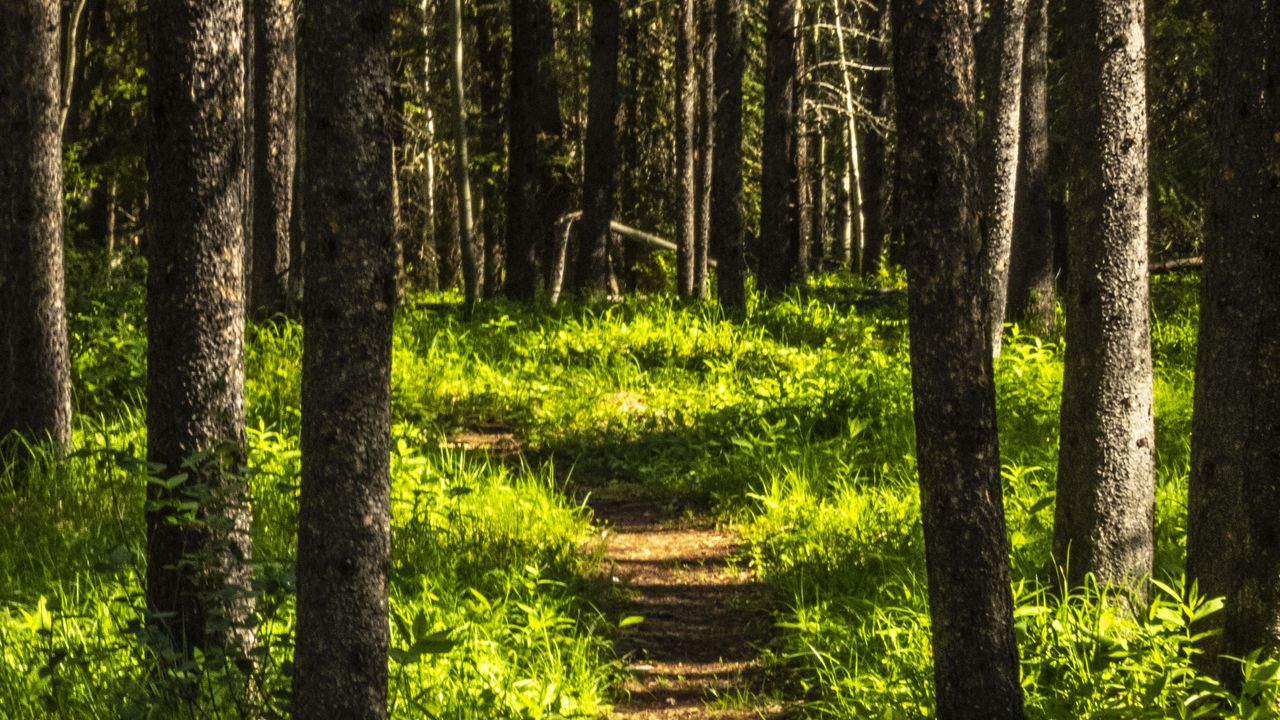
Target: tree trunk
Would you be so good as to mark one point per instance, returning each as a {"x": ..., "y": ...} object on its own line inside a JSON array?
[
  {"x": 818, "y": 255},
  {"x": 967, "y": 556},
  {"x": 706, "y": 145},
  {"x": 491, "y": 54},
  {"x": 275, "y": 120},
  {"x": 296, "y": 248},
  {"x": 686, "y": 143},
  {"x": 462, "y": 167},
  {"x": 345, "y": 513},
  {"x": 600, "y": 153},
  {"x": 1232, "y": 545},
  {"x": 999, "y": 148},
  {"x": 534, "y": 114},
  {"x": 248, "y": 60},
  {"x": 1031, "y": 282},
  {"x": 798, "y": 248},
  {"x": 1106, "y": 484},
  {"x": 778, "y": 147},
  {"x": 726, "y": 162},
  {"x": 35, "y": 400},
  {"x": 197, "y": 569},
  {"x": 874, "y": 159}
]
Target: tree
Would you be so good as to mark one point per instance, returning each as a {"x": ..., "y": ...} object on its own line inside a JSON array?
[
  {"x": 999, "y": 147},
  {"x": 1232, "y": 547},
  {"x": 1106, "y": 485},
  {"x": 779, "y": 173},
  {"x": 706, "y": 145},
  {"x": 1030, "y": 298},
  {"x": 197, "y": 573},
  {"x": 345, "y": 514},
  {"x": 600, "y": 156},
  {"x": 686, "y": 146},
  {"x": 874, "y": 161},
  {"x": 726, "y": 161},
  {"x": 462, "y": 165},
  {"x": 967, "y": 556},
  {"x": 35, "y": 388},
  {"x": 534, "y": 115},
  {"x": 274, "y": 155}
]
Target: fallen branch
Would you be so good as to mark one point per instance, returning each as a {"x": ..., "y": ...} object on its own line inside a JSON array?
[{"x": 1168, "y": 266}]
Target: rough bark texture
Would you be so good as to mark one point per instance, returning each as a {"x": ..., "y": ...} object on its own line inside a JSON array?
[
  {"x": 534, "y": 115},
  {"x": 686, "y": 143},
  {"x": 600, "y": 153},
  {"x": 274, "y": 157},
  {"x": 197, "y": 165},
  {"x": 706, "y": 145},
  {"x": 345, "y": 514},
  {"x": 462, "y": 164},
  {"x": 874, "y": 161},
  {"x": 778, "y": 147},
  {"x": 1232, "y": 545},
  {"x": 491, "y": 55},
  {"x": 1106, "y": 488},
  {"x": 726, "y": 161},
  {"x": 1030, "y": 299},
  {"x": 999, "y": 147},
  {"x": 974, "y": 651},
  {"x": 35, "y": 387}
]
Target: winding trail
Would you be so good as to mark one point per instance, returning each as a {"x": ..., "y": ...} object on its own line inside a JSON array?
[{"x": 695, "y": 654}]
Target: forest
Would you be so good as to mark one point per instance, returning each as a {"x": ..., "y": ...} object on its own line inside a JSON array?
[{"x": 652, "y": 359}]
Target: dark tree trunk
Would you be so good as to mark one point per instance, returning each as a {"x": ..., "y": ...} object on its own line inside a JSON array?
[
  {"x": 345, "y": 513},
  {"x": 1031, "y": 283},
  {"x": 974, "y": 650},
  {"x": 491, "y": 54},
  {"x": 197, "y": 570},
  {"x": 296, "y": 234},
  {"x": 462, "y": 165},
  {"x": 778, "y": 148},
  {"x": 533, "y": 201},
  {"x": 874, "y": 160},
  {"x": 600, "y": 153},
  {"x": 274, "y": 137},
  {"x": 999, "y": 154},
  {"x": 1232, "y": 545},
  {"x": 686, "y": 143},
  {"x": 1106, "y": 483},
  {"x": 249, "y": 59},
  {"x": 35, "y": 395},
  {"x": 798, "y": 248},
  {"x": 726, "y": 160},
  {"x": 706, "y": 145}
]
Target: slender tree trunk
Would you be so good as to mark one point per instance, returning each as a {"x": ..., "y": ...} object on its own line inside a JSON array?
[
  {"x": 873, "y": 163},
  {"x": 600, "y": 152},
  {"x": 726, "y": 162},
  {"x": 1232, "y": 546},
  {"x": 197, "y": 569},
  {"x": 818, "y": 199},
  {"x": 462, "y": 167},
  {"x": 798, "y": 255},
  {"x": 420, "y": 250},
  {"x": 967, "y": 555},
  {"x": 274, "y": 159},
  {"x": 35, "y": 400},
  {"x": 1031, "y": 282},
  {"x": 706, "y": 145},
  {"x": 1106, "y": 483},
  {"x": 491, "y": 54},
  {"x": 249, "y": 58},
  {"x": 345, "y": 512},
  {"x": 293, "y": 304},
  {"x": 999, "y": 154},
  {"x": 778, "y": 147},
  {"x": 686, "y": 143}
]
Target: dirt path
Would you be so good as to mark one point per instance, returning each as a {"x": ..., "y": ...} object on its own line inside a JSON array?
[{"x": 694, "y": 656}]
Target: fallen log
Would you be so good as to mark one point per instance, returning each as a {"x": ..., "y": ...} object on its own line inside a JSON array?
[{"x": 1168, "y": 266}]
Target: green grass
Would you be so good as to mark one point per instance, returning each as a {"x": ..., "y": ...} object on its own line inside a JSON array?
[{"x": 795, "y": 422}]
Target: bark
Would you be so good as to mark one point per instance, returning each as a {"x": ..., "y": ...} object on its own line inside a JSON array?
[
  {"x": 726, "y": 163},
  {"x": 1232, "y": 545},
  {"x": 533, "y": 199},
  {"x": 35, "y": 399},
  {"x": 345, "y": 513},
  {"x": 297, "y": 259},
  {"x": 197, "y": 568},
  {"x": 600, "y": 153},
  {"x": 999, "y": 148},
  {"x": 799, "y": 256},
  {"x": 462, "y": 167},
  {"x": 249, "y": 58},
  {"x": 874, "y": 155},
  {"x": 1106, "y": 487},
  {"x": 491, "y": 56},
  {"x": 818, "y": 200},
  {"x": 1030, "y": 299},
  {"x": 706, "y": 145},
  {"x": 778, "y": 148},
  {"x": 274, "y": 157},
  {"x": 686, "y": 143},
  {"x": 967, "y": 556}
]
